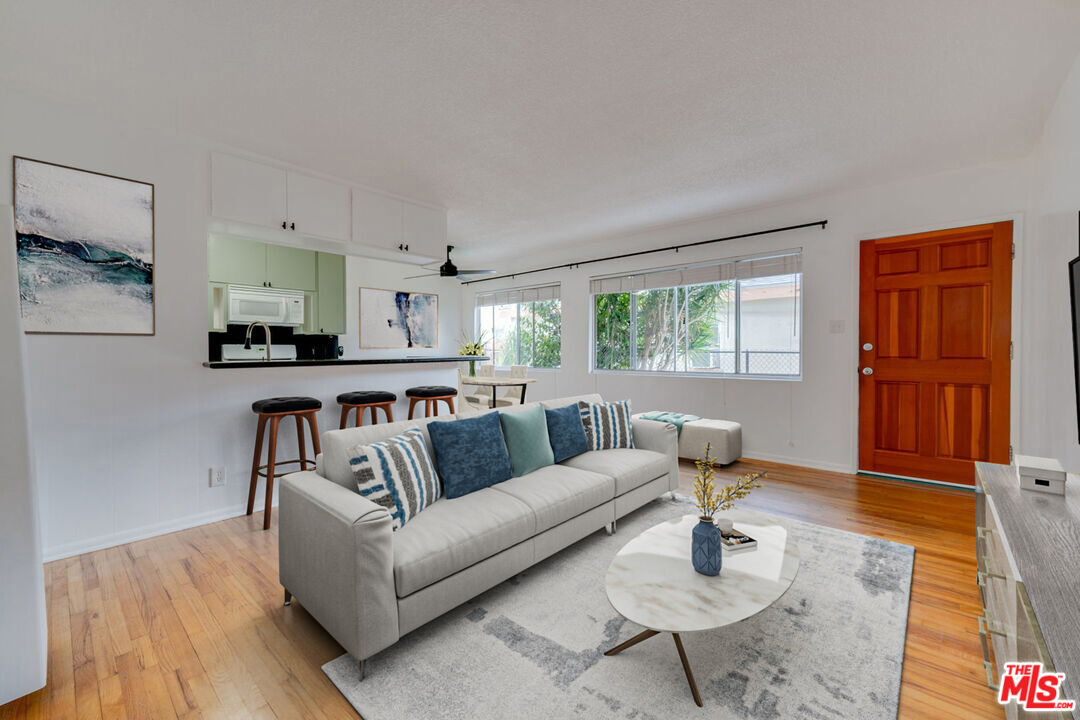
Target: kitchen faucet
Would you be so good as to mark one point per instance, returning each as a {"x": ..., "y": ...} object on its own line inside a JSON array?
[{"x": 247, "y": 337}]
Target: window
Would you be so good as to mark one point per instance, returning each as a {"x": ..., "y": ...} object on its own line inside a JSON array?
[
  {"x": 740, "y": 317},
  {"x": 522, "y": 327}
]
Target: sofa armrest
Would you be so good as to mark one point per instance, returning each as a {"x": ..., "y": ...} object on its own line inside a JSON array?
[
  {"x": 336, "y": 555},
  {"x": 660, "y": 437}
]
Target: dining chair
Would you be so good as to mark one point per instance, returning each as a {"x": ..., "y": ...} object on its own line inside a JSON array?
[
  {"x": 513, "y": 395},
  {"x": 484, "y": 393},
  {"x": 471, "y": 401}
]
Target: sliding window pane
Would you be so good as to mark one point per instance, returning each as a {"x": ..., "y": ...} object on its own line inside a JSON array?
[
  {"x": 655, "y": 327},
  {"x": 547, "y": 334},
  {"x": 504, "y": 334},
  {"x": 612, "y": 314},
  {"x": 710, "y": 323},
  {"x": 769, "y": 325}
]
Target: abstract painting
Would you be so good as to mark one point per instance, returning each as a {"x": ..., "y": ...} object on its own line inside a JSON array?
[
  {"x": 86, "y": 251},
  {"x": 398, "y": 319}
]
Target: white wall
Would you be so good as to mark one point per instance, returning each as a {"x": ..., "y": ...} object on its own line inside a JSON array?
[
  {"x": 809, "y": 421},
  {"x": 23, "y": 628},
  {"x": 1049, "y": 417},
  {"x": 126, "y": 428}
]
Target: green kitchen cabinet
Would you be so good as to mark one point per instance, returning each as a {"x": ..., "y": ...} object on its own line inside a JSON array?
[
  {"x": 291, "y": 268},
  {"x": 237, "y": 261},
  {"x": 331, "y": 295}
]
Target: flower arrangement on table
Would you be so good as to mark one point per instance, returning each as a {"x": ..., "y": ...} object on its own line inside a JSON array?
[
  {"x": 472, "y": 347},
  {"x": 709, "y": 499},
  {"x": 706, "y": 544}
]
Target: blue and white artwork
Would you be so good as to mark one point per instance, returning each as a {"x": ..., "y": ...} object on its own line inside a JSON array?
[
  {"x": 398, "y": 319},
  {"x": 86, "y": 251}
]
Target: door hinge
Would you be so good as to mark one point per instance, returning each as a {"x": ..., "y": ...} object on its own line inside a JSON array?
[
  {"x": 1012, "y": 457},
  {"x": 1010, "y": 349},
  {"x": 1012, "y": 251}
]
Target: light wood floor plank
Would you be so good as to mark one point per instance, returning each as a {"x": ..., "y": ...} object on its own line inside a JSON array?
[{"x": 191, "y": 625}]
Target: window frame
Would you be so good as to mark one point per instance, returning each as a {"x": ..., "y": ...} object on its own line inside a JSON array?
[
  {"x": 477, "y": 327},
  {"x": 800, "y": 285}
]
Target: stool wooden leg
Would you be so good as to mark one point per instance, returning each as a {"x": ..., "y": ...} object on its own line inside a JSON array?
[
  {"x": 255, "y": 464},
  {"x": 388, "y": 408},
  {"x": 374, "y": 415},
  {"x": 271, "y": 458},
  {"x": 313, "y": 422},
  {"x": 300, "y": 443},
  {"x": 431, "y": 408},
  {"x": 344, "y": 416},
  {"x": 450, "y": 402},
  {"x": 412, "y": 406}
]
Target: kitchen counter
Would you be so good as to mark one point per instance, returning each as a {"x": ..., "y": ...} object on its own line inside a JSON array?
[{"x": 228, "y": 364}]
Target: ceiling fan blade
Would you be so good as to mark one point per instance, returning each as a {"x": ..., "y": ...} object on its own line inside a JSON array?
[
  {"x": 414, "y": 277},
  {"x": 476, "y": 272}
]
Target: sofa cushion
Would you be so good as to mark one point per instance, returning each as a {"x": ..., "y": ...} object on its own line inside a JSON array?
[
  {"x": 607, "y": 425},
  {"x": 526, "y": 437},
  {"x": 565, "y": 432},
  {"x": 454, "y": 534},
  {"x": 631, "y": 467},
  {"x": 337, "y": 443},
  {"x": 557, "y": 493},
  {"x": 396, "y": 473},
  {"x": 471, "y": 454}
]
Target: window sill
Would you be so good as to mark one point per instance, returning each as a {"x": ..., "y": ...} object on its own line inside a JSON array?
[{"x": 698, "y": 375}]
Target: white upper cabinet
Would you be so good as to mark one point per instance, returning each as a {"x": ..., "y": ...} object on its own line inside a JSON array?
[
  {"x": 248, "y": 192},
  {"x": 377, "y": 220},
  {"x": 318, "y": 207},
  {"x": 424, "y": 230}
]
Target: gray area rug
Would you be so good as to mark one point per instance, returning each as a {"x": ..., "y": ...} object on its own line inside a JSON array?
[{"x": 532, "y": 647}]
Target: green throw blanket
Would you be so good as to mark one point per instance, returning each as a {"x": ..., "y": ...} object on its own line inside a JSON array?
[{"x": 676, "y": 419}]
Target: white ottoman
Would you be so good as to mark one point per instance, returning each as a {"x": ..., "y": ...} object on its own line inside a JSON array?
[{"x": 724, "y": 435}]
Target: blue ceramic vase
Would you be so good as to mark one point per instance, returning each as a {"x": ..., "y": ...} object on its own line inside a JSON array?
[{"x": 706, "y": 548}]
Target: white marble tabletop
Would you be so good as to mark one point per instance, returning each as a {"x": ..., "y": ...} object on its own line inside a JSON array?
[
  {"x": 652, "y": 582},
  {"x": 495, "y": 381}
]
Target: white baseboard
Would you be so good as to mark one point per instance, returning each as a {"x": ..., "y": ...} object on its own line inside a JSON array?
[
  {"x": 101, "y": 542},
  {"x": 800, "y": 462}
]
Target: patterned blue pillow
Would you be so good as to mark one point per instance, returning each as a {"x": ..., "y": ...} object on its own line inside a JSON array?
[
  {"x": 607, "y": 425},
  {"x": 396, "y": 473},
  {"x": 471, "y": 452}
]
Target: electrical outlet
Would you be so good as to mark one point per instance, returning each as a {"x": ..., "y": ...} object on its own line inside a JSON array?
[{"x": 217, "y": 477}]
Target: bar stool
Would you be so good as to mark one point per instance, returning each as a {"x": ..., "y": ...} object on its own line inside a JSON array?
[
  {"x": 431, "y": 395},
  {"x": 363, "y": 399},
  {"x": 274, "y": 410}
]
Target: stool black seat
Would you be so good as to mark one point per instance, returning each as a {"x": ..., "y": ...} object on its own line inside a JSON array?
[
  {"x": 430, "y": 395},
  {"x": 286, "y": 405},
  {"x": 272, "y": 411},
  {"x": 431, "y": 391},
  {"x": 363, "y": 399},
  {"x": 366, "y": 397}
]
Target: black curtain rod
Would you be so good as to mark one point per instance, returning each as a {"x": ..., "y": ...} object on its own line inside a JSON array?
[{"x": 676, "y": 248}]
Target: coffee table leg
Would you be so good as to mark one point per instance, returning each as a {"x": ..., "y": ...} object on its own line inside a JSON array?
[
  {"x": 686, "y": 667},
  {"x": 631, "y": 642}
]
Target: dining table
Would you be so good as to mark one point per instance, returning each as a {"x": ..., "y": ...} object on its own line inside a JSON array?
[{"x": 493, "y": 382}]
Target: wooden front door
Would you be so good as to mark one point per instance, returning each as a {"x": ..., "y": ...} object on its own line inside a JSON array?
[{"x": 934, "y": 345}]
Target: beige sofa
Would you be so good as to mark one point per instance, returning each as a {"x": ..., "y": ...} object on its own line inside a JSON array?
[{"x": 369, "y": 586}]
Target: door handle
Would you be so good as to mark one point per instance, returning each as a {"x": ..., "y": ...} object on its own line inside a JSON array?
[
  {"x": 868, "y": 371},
  {"x": 867, "y": 346}
]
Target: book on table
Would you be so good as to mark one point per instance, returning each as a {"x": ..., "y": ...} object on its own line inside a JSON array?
[{"x": 736, "y": 541}]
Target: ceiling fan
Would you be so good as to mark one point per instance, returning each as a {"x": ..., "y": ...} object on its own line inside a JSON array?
[{"x": 449, "y": 269}]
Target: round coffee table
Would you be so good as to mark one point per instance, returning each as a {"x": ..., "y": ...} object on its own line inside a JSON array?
[{"x": 652, "y": 582}]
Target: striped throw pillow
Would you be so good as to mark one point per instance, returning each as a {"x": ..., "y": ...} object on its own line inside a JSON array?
[
  {"x": 607, "y": 425},
  {"x": 396, "y": 473}
]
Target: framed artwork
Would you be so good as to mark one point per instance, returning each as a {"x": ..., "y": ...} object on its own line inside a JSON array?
[
  {"x": 398, "y": 319},
  {"x": 85, "y": 250}
]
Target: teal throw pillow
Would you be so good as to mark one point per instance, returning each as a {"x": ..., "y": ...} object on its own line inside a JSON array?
[{"x": 526, "y": 436}]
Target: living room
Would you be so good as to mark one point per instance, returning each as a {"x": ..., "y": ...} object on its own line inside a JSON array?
[{"x": 705, "y": 199}]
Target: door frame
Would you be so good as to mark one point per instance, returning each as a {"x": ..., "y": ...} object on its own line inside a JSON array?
[{"x": 1019, "y": 234}]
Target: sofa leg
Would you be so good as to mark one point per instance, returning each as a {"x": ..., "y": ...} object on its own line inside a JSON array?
[
  {"x": 288, "y": 597},
  {"x": 610, "y": 527},
  {"x": 363, "y": 669}
]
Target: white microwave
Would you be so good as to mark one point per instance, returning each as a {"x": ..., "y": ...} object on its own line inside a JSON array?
[{"x": 269, "y": 305}]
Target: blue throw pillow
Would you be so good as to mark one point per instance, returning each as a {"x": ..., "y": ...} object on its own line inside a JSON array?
[
  {"x": 471, "y": 453},
  {"x": 566, "y": 432}
]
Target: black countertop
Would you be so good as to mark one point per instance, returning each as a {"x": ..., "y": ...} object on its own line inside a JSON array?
[{"x": 225, "y": 364}]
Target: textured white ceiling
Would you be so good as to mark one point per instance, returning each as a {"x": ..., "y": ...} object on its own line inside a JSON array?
[{"x": 546, "y": 123}]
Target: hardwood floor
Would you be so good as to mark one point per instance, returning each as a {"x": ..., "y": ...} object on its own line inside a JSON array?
[{"x": 191, "y": 624}]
